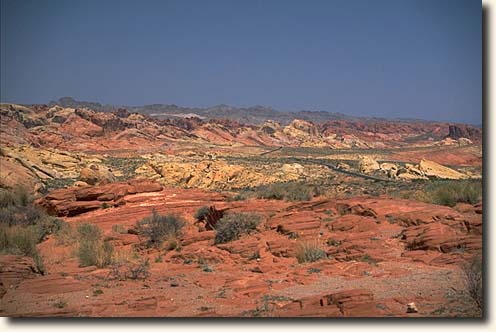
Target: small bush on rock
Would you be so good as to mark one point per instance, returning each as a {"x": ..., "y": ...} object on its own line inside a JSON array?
[
  {"x": 157, "y": 228},
  {"x": 310, "y": 251},
  {"x": 233, "y": 225},
  {"x": 201, "y": 213}
]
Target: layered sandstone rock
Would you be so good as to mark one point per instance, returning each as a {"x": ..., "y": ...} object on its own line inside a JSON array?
[
  {"x": 76, "y": 200},
  {"x": 435, "y": 170}
]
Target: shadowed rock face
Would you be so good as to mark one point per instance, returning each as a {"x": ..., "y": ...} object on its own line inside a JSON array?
[{"x": 464, "y": 131}]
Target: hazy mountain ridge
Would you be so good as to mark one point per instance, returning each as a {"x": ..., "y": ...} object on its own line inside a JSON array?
[{"x": 253, "y": 115}]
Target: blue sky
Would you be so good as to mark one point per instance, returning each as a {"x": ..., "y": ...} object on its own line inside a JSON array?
[{"x": 388, "y": 58}]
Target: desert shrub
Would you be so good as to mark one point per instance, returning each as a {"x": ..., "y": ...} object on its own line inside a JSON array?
[
  {"x": 333, "y": 242},
  {"x": 201, "y": 213},
  {"x": 238, "y": 197},
  {"x": 289, "y": 191},
  {"x": 93, "y": 250},
  {"x": 449, "y": 193},
  {"x": 17, "y": 209},
  {"x": 137, "y": 270},
  {"x": 157, "y": 228},
  {"x": 18, "y": 240},
  {"x": 172, "y": 243},
  {"x": 141, "y": 270},
  {"x": 66, "y": 235},
  {"x": 367, "y": 259},
  {"x": 309, "y": 251},
  {"x": 473, "y": 280},
  {"x": 23, "y": 225},
  {"x": 233, "y": 225},
  {"x": 18, "y": 197},
  {"x": 60, "y": 304},
  {"x": 49, "y": 225},
  {"x": 21, "y": 215}
]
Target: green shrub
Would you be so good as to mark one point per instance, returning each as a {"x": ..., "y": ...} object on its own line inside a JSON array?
[
  {"x": 93, "y": 250},
  {"x": 233, "y": 225},
  {"x": 157, "y": 228},
  {"x": 201, "y": 213},
  {"x": 449, "y": 193},
  {"x": 309, "y": 251}
]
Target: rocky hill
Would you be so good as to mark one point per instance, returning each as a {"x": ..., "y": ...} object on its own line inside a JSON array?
[{"x": 85, "y": 129}]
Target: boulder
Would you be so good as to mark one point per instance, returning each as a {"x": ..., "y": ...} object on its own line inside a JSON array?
[
  {"x": 434, "y": 170},
  {"x": 367, "y": 164},
  {"x": 464, "y": 141},
  {"x": 96, "y": 174},
  {"x": 343, "y": 166},
  {"x": 294, "y": 168},
  {"x": 389, "y": 169}
]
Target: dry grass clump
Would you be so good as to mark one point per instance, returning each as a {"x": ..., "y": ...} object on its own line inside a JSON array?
[
  {"x": 93, "y": 249},
  {"x": 309, "y": 251}
]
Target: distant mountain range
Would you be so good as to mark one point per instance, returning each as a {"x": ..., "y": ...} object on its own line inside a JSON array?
[{"x": 254, "y": 115}]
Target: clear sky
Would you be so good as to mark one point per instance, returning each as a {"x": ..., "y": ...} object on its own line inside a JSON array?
[{"x": 388, "y": 58}]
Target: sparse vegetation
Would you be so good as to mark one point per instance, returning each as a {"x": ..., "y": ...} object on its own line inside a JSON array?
[
  {"x": 93, "y": 250},
  {"x": 367, "y": 259},
  {"x": 266, "y": 306},
  {"x": 127, "y": 166},
  {"x": 17, "y": 240},
  {"x": 137, "y": 270},
  {"x": 449, "y": 193},
  {"x": 473, "y": 280},
  {"x": 333, "y": 242},
  {"x": 309, "y": 251},
  {"x": 60, "y": 304},
  {"x": 119, "y": 229},
  {"x": 97, "y": 292},
  {"x": 233, "y": 225},
  {"x": 314, "y": 270},
  {"x": 23, "y": 225},
  {"x": 289, "y": 191},
  {"x": 140, "y": 270},
  {"x": 157, "y": 228}
]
